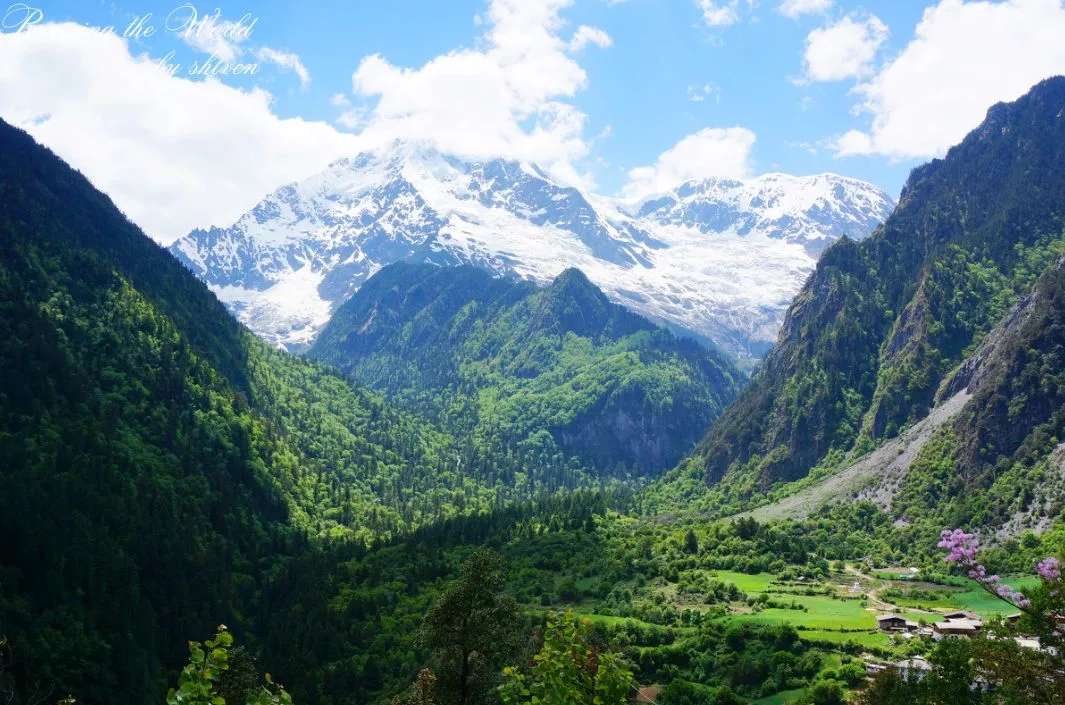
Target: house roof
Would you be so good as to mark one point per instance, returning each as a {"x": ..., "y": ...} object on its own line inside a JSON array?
[
  {"x": 958, "y": 625},
  {"x": 916, "y": 662}
]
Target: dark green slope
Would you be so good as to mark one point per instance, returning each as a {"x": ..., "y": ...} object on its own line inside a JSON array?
[
  {"x": 1000, "y": 461},
  {"x": 1017, "y": 379},
  {"x": 157, "y": 461},
  {"x": 560, "y": 377},
  {"x": 35, "y": 185},
  {"x": 133, "y": 503},
  {"x": 880, "y": 323}
]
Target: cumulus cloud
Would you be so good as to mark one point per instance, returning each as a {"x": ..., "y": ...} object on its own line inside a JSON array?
[
  {"x": 710, "y": 152},
  {"x": 177, "y": 153},
  {"x": 843, "y": 50},
  {"x": 507, "y": 99},
  {"x": 797, "y": 8},
  {"x": 964, "y": 57},
  {"x": 586, "y": 35},
  {"x": 173, "y": 153}
]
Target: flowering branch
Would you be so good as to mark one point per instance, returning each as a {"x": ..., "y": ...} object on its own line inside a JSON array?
[{"x": 961, "y": 551}]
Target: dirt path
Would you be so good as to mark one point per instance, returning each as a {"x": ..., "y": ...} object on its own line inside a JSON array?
[
  {"x": 873, "y": 592},
  {"x": 876, "y": 602}
]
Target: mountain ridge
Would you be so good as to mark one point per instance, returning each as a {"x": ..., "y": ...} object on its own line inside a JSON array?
[
  {"x": 882, "y": 322},
  {"x": 288, "y": 263},
  {"x": 488, "y": 357}
]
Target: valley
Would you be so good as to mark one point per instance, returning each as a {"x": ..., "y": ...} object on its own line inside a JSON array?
[{"x": 474, "y": 488}]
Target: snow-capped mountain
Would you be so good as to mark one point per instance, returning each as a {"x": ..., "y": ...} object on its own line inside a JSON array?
[
  {"x": 812, "y": 211},
  {"x": 718, "y": 258}
]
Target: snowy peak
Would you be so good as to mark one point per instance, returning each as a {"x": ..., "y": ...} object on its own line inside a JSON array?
[
  {"x": 812, "y": 211},
  {"x": 719, "y": 258}
]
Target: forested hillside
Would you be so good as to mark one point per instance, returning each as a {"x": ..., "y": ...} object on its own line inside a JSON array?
[
  {"x": 138, "y": 490},
  {"x": 881, "y": 323},
  {"x": 156, "y": 459},
  {"x": 560, "y": 377}
]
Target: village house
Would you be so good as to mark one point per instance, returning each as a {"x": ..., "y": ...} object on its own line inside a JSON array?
[
  {"x": 895, "y": 623},
  {"x": 956, "y": 627},
  {"x": 913, "y": 669},
  {"x": 960, "y": 615}
]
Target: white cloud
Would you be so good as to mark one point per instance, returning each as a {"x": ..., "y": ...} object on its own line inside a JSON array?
[
  {"x": 845, "y": 49},
  {"x": 710, "y": 152},
  {"x": 506, "y": 99},
  {"x": 698, "y": 94},
  {"x": 211, "y": 33},
  {"x": 804, "y": 146},
  {"x": 854, "y": 142},
  {"x": 797, "y": 8},
  {"x": 339, "y": 100},
  {"x": 173, "y": 153},
  {"x": 964, "y": 57},
  {"x": 719, "y": 14},
  {"x": 353, "y": 118},
  {"x": 285, "y": 60},
  {"x": 586, "y": 35}
]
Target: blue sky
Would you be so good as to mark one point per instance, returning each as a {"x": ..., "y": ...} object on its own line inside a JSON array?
[{"x": 620, "y": 97}]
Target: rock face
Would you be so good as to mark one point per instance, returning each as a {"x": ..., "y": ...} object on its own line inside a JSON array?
[{"x": 718, "y": 260}]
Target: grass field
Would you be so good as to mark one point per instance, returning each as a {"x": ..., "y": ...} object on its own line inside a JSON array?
[
  {"x": 976, "y": 600},
  {"x": 613, "y": 621},
  {"x": 780, "y": 698},
  {"x": 823, "y": 613},
  {"x": 758, "y": 582},
  {"x": 948, "y": 601},
  {"x": 891, "y": 573},
  {"x": 868, "y": 639}
]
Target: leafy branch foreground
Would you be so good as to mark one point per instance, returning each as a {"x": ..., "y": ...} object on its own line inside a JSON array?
[
  {"x": 568, "y": 670},
  {"x": 202, "y": 679}
]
